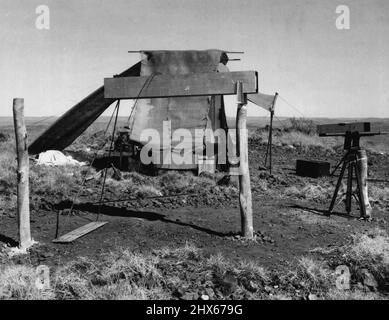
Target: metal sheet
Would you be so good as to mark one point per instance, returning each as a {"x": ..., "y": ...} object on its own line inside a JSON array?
[
  {"x": 265, "y": 101},
  {"x": 75, "y": 121},
  {"x": 183, "y": 112}
]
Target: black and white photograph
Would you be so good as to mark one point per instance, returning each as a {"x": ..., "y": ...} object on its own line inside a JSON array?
[{"x": 195, "y": 156}]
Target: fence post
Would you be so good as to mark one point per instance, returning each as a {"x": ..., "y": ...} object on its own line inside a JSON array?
[
  {"x": 23, "y": 203},
  {"x": 246, "y": 210}
]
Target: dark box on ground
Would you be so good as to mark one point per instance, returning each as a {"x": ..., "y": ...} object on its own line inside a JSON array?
[{"x": 312, "y": 168}]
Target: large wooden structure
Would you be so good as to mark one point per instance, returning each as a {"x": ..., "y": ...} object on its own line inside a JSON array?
[
  {"x": 239, "y": 83},
  {"x": 185, "y": 87}
]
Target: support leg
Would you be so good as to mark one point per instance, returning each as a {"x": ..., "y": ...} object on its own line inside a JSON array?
[
  {"x": 337, "y": 186},
  {"x": 361, "y": 171},
  {"x": 271, "y": 141},
  {"x": 338, "y": 165},
  {"x": 362, "y": 206}
]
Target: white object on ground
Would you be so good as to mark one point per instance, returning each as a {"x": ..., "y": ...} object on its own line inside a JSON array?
[{"x": 57, "y": 158}]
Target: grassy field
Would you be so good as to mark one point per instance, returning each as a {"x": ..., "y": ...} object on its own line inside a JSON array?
[
  {"x": 160, "y": 267},
  {"x": 172, "y": 273}
]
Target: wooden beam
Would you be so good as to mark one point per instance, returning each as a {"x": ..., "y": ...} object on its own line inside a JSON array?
[
  {"x": 195, "y": 84},
  {"x": 79, "y": 232},
  {"x": 340, "y": 128}
]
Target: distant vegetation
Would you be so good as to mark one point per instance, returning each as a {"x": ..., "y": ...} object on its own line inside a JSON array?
[
  {"x": 302, "y": 125},
  {"x": 298, "y": 132}
]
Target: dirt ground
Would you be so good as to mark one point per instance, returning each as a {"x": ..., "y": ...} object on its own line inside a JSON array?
[{"x": 287, "y": 227}]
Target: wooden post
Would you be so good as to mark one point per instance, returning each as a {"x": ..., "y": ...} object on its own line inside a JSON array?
[
  {"x": 23, "y": 203},
  {"x": 246, "y": 210}
]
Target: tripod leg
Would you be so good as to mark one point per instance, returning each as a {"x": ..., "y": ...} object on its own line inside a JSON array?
[
  {"x": 349, "y": 188},
  {"x": 338, "y": 165},
  {"x": 337, "y": 187}
]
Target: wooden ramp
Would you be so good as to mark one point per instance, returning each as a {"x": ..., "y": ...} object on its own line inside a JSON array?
[{"x": 79, "y": 232}]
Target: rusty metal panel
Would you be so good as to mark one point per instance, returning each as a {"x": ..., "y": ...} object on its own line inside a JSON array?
[{"x": 183, "y": 112}]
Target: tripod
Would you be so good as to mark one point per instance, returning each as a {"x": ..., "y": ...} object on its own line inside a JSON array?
[
  {"x": 349, "y": 162},
  {"x": 354, "y": 161}
]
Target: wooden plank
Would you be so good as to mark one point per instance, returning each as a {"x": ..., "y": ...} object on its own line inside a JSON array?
[
  {"x": 195, "y": 84},
  {"x": 79, "y": 232},
  {"x": 340, "y": 128}
]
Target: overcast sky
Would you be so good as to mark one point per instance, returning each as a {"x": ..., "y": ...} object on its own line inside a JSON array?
[{"x": 294, "y": 45}]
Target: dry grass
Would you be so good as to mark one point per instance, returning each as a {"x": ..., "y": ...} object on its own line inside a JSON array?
[
  {"x": 7, "y": 176},
  {"x": 367, "y": 258},
  {"x": 300, "y": 139},
  {"x": 187, "y": 272},
  {"x": 118, "y": 276},
  {"x": 313, "y": 192},
  {"x": 372, "y": 246},
  {"x": 300, "y": 133},
  {"x": 355, "y": 294},
  {"x": 379, "y": 196},
  {"x": 297, "y": 139},
  {"x": 172, "y": 182},
  {"x": 18, "y": 282},
  {"x": 315, "y": 273},
  {"x": 57, "y": 181},
  {"x": 53, "y": 181},
  {"x": 7, "y": 167},
  {"x": 302, "y": 125}
]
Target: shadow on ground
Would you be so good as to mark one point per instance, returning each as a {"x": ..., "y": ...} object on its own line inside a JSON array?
[{"x": 126, "y": 213}]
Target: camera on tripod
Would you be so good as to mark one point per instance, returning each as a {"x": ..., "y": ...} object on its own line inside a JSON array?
[{"x": 354, "y": 161}]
